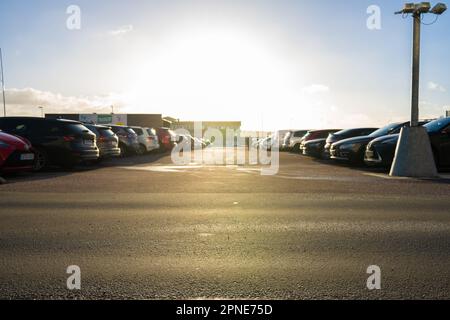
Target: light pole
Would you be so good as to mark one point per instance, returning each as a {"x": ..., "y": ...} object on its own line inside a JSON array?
[
  {"x": 3, "y": 83},
  {"x": 417, "y": 10},
  {"x": 414, "y": 156}
]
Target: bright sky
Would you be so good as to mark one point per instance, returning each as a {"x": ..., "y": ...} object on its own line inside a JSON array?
[{"x": 271, "y": 64}]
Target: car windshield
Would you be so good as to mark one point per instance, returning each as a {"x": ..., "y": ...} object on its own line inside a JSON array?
[
  {"x": 300, "y": 134},
  {"x": 130, "y": 131},
  {"x": 138, "y": 131},
  {"x": 385, "y": 130},
  {"x": 76, "y": 128},
  {"x": 437, "y": 125},
  {"x": 106, "y": 132},
  {"x": 347, "y": 132},
  {"x": 93, "y": 129}
]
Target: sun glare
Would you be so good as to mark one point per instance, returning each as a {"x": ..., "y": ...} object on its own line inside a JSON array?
[{"x": 198, "y": 73}]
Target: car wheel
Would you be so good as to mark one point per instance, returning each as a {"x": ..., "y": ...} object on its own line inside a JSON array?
[
  {"x": 141, "y": 150},
  {"x": 41, "y": 160},
  {"x": 123, "y": 150},
  {"x": 297, "y": 148}
]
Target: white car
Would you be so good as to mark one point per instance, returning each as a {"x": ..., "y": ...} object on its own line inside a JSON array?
[
  {"x": 148, "y": 139},
  {"x": 294, "y": 140}
]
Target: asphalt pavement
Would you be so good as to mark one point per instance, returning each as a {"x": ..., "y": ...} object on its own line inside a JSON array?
[{"x": 144, "y": 228}]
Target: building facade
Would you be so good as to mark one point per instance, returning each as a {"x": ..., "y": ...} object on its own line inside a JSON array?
[
  {"x": 222, "y": 126},
  {"x": 138, "y": 120}
]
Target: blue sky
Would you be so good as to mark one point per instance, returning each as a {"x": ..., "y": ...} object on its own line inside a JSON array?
[{"x": 271, "y": 64}]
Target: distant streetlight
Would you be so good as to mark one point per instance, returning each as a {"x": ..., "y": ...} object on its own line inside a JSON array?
[{"x": 414, "y": 156}]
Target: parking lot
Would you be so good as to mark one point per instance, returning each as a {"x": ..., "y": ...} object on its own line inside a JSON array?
[{"x": 142, "y": 227}]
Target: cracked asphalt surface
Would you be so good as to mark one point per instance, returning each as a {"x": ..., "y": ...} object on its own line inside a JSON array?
[{"x": 142, "y": 228}]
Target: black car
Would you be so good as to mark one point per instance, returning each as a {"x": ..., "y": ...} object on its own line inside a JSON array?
[
  {"x": 314, "y": 148},
  {"x": 58, "y": 142},
  {"x": 381, "y": 151},
  {"x": 107, "y": 141},
  {"x": 128, "y": 139},
  {"x": 344, "y": 134},
  {"x": 353, "y": 149}
]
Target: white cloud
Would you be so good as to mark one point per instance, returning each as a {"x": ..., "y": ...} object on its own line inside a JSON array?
[
  {"x": 25, "y": 102},
  {"x": 433, "y": 86},
  {"x": 122, "y": 30},
  {"x": 316, "y": 88}
]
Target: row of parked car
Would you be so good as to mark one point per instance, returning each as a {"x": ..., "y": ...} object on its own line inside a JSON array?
[
  {"x": 34, "y": 143},
  {"x": 365, "y": 146}
]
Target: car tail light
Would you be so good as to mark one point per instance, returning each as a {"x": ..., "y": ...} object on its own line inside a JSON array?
[
  {"x": 69, "y": 138},
  {"x": 102, "y": 139}
]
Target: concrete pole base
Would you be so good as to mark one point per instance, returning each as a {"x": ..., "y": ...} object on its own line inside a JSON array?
[{"x": 414, "y": 156}]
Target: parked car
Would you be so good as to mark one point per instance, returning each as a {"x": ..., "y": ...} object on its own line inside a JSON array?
[
  {"x": 107, "y": 141},
  {"x": 255, "y": 142},
  {"x": 148, "y": 139},
  {"x": 280, "y": 135},
  {"x": 153, "y": 136},
  {"x": 293, "y": 140},
  {"x": 196, "y": 143},
  {"x": 128, "y": 140},
  {"x": 381, "y": 151},
  {"x": 16, "y": 154},
  {"x": 353, "y": 149},
  {"x": 267, "y": 143},
  {"x": 345, "y": 134},
  {"x": 314, "y": 148},
  {"x": 59, "y": 142},
  {"x": 316, "y": 135},
  {"x": 167, "y": 139}
]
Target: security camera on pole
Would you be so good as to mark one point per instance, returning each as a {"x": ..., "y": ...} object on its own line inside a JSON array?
[{"x": 414, "y": 156}]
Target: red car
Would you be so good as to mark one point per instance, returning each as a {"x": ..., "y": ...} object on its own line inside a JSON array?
[
  {"x": 15, "y": 154},
  {"x": 167, "y": 139}
]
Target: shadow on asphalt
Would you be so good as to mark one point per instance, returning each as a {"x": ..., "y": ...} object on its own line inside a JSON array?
[
  {"x": 134, "y": 160},
  {"x": 376, "y": 170},
  {"x": 55, "y": 172}
]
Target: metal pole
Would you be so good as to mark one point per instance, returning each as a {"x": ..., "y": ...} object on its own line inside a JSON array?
[
  {"x": 415, "y": 71},
  {"x": 3, "y": 83}
]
